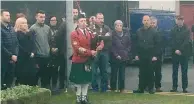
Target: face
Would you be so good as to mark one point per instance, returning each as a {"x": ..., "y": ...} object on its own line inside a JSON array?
[
  {"x": 154, "y": 23},
  {"x": 146, "y": 21},
  {"x": 40, "y": 18},
  {"x": 179, "y": 22},
  {"x": 99, "y": 19},
  {"x": 75, "y": 13},
  {"x": 24, "y": 24},
  {"x": 119, "y": 27},
  {"x": 53, "y": 21},
  {"x": 92, "y": 19},
  {"x": 82, "y": 23},
  {"x": 5, "y": 17}
]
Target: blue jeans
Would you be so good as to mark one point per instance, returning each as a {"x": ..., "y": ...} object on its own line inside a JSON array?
[{"x": 101, "y": 62}]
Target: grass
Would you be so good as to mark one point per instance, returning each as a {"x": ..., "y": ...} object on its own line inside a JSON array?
[{"x": 117, "y": 98}]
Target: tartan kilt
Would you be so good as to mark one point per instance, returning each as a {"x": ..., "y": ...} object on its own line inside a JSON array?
[{"x": 78, "y": 75}]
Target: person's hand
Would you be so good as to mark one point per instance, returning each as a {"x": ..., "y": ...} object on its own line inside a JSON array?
[
  {"x": 178, "y": 52},
  {"x": 81, "y": 50},
  {"x": 54, "y": 50},
  {"x": 14, "y": 58},
  {"x": 154, "y": 59},
  {"x": 94, "y": 53},
  {"x": 32, "y": 55},
  {"x": 118, "y": 57},
  {"x": 99, "y": 48},
  {"x": 136, "y": 58}
]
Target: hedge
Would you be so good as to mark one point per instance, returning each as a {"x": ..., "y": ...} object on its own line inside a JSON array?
[{"x": 24, "y": 94}]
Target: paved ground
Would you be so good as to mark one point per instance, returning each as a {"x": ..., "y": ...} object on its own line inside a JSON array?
[{"x": 131, "y": 81}]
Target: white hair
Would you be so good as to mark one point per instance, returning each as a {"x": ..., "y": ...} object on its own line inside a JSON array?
[
  {"x": 118, "y": 22},
  {"x": 152, "y": 18}
]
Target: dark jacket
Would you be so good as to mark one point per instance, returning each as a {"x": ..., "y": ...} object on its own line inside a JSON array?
[
  {"x": 180, "y": 40},
  {"x": 162, "y": 41},
  {"x": 147, "y": 43},
  {"x": 121, "y": 45},
  {"x": 9, "y": 43},
  {"x": 53, "y": 37},
  {"x": 26, "y": 43},
  {"x": 192, "y": 29},
  {"x": 107, "y": 39},
  {"x": 25, "y": 66},
  {"x": 61, "y": 39}
]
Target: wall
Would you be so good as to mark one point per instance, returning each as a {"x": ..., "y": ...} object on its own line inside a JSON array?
[
  {"x": 30, "y": 7},
  {"x": 112, "y": 10},
  {"x": 165, "y": 5}
]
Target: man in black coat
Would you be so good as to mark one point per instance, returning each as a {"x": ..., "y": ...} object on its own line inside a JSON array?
[
  {"x": 180, "y": 53},
  {"x": 9, "y": 50},
  {"x": 147, "y": 52},
  {"x": 158, "y": 64},
  {"x": 61, "y": 45}
]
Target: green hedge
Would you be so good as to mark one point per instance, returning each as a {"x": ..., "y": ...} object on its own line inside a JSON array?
[{"x": 25, "y": 94}]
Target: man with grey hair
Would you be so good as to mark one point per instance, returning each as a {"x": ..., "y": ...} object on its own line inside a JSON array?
[{"x": 158, "y": 64}]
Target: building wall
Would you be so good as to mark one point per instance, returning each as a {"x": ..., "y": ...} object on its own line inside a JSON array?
[{"x": 160, "y": 5}]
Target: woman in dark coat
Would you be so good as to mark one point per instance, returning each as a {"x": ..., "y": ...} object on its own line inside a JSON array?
[
  {"x": 25, "y": 68},
  {"x": 121, "y": 48}
]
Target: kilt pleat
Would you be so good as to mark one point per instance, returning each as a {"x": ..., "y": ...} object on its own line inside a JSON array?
[{"x": 78, "y": 75}]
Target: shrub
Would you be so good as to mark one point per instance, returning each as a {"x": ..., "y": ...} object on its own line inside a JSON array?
[{"x": 25, "y": 94}]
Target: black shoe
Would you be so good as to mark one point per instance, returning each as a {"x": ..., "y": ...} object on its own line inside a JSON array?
[
  {"x": 185, "y": 91},
  {"x": 158, "y": 90},
  {"x": 174, "y": 90},
  {"x": 151, "y": 92},
  {"x": 85, "y": 101},
  {"x": 78, "y": 100},
  {"x": 138, "y": 91},
  {"x": 3, "y": 87}
]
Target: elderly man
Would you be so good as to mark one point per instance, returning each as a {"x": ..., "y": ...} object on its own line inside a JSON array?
[
  {"x": 147, "y": 51},
  {"x": 180, "y": 53},
  {"x": 158, "y": 64},
  {"x": 121, "y": 48}
]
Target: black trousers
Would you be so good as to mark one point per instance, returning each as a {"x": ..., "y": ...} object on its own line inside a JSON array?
[
  {"x": 43, "y": 71},
  {"x": 25, "y": 69},
  {"x": 53, "y": 75},
  {"x": 158, "y": 73},
  {"x": 7, "y": 73},
  {"x": 53, "y": 69},
  {"x": 183, "y": 61},
  {"x": 146, "y": 73},
  {"x": 62, "y": 71},
  {"x": 117, "y": 71}
]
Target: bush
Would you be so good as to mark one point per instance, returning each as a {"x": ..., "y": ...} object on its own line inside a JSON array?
[{"x": 25, "y": 94}]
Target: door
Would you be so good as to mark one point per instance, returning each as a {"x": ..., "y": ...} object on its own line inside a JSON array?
[{"x": 187, "y": 10}]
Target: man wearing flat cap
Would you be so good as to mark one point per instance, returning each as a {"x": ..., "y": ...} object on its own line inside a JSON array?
[
  {"x": 81, "y": 74},
  {"x": 180, "y": 35}
]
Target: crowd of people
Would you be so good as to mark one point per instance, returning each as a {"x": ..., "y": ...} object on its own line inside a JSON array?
[{"x": 39, "y": 53}]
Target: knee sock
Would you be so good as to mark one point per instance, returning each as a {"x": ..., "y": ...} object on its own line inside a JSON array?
[
  {"x": 78, "y": 92},
  {"x": 84, "y": 88}
]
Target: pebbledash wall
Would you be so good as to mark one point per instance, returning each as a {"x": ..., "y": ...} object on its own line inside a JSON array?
[{"x": 157, "y": 4}]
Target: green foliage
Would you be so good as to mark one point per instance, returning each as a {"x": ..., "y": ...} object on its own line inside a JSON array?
[{"x": 25, "y": 94}]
